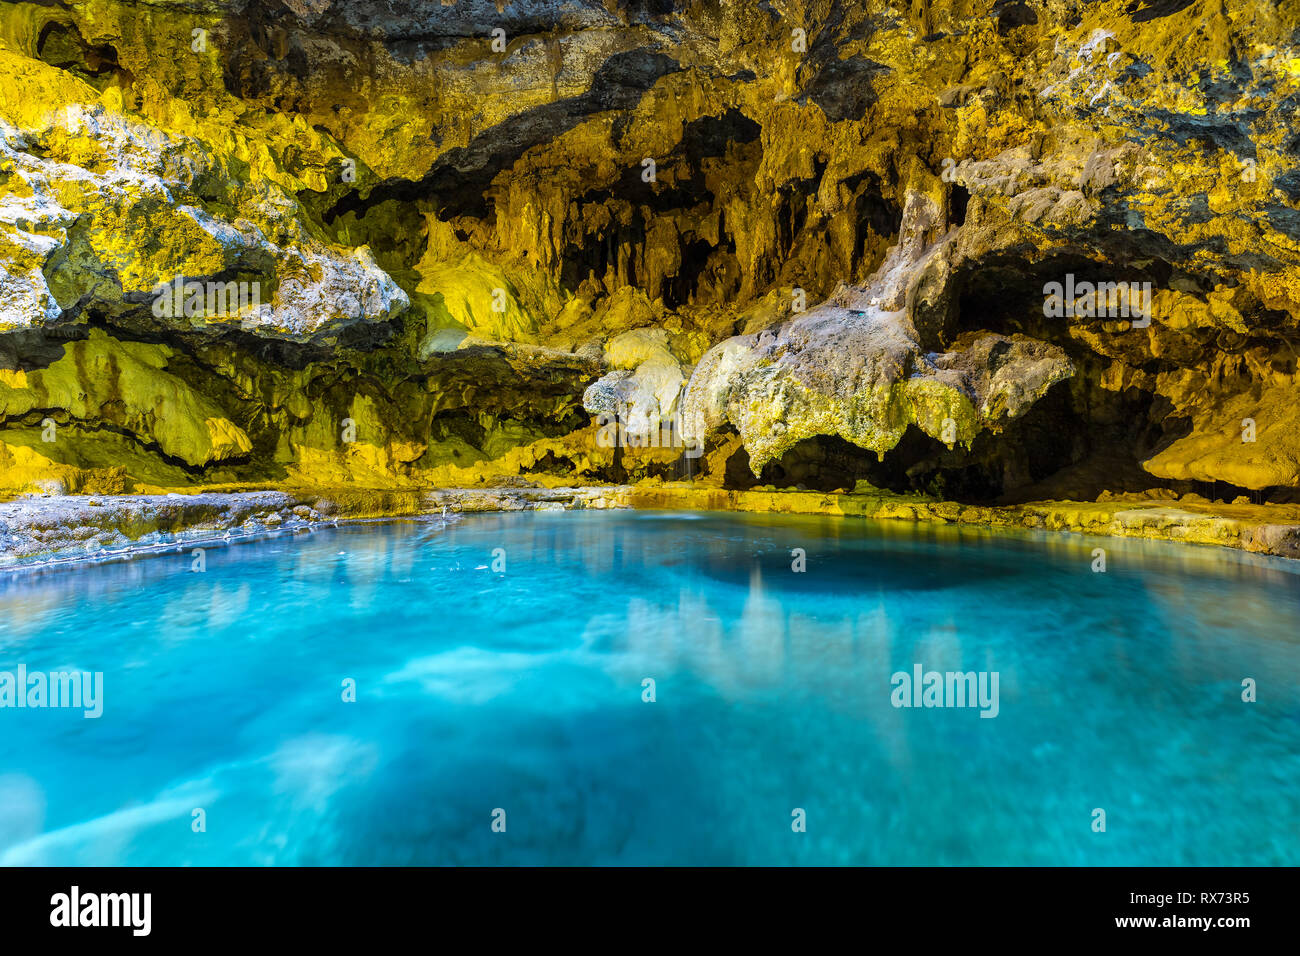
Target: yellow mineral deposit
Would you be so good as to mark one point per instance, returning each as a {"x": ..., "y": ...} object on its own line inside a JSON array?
[{"x": 830, "y": 247}]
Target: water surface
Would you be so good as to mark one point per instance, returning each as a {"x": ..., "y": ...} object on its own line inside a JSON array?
[{"x": 521, "y": 690}]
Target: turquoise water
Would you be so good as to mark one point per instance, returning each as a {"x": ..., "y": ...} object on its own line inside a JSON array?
[{"x": 522, "y": 691}]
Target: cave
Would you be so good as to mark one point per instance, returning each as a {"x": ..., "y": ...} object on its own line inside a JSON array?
[{"x": 589, "y": 411}]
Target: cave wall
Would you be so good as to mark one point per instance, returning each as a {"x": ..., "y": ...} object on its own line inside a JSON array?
[{"x": 314, "y": 243}]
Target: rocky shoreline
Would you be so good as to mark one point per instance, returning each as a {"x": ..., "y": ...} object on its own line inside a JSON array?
[
  {"x": 57, "y": 530},
  {"x": 38, "y": 532}
]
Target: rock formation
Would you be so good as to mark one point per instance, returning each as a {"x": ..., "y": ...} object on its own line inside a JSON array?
[
  {"x": 313, "y": 243},
  {"x": 855, "y": 366}
]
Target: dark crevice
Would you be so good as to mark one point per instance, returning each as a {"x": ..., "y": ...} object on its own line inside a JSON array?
[
  {"x": 33, "y": 417},
  {"x": 1143, "y": 11}
]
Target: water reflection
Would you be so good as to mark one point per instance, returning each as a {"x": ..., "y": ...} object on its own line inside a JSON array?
[{"x": 476, "y": 687}]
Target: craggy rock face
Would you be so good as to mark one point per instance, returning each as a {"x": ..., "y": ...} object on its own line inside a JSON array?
[
  {"x": 855, "y": 367},
  {"x": 981, "y": 249}
]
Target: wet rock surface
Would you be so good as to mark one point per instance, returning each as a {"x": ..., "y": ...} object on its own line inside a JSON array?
[
  {"x": 59, "y": 530},
  {"x": 74, "y": 527}
]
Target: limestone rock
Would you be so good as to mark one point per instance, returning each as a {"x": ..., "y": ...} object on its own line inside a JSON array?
[
  {"x": 642, "y": 391},
  {"x": 832, "y": 244},
  {"x": 107, "y": 213},
  {"x": 125, "y": 386},
  {"x": 858, "y": 369}
]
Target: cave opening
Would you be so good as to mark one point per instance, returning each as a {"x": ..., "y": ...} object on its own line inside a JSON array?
[
  {"x": 957, "y": 203},
  {"x": 61, "y": 45}
]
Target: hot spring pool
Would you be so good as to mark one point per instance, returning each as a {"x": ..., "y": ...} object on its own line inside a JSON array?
[{"x": 517, "y": 696}]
